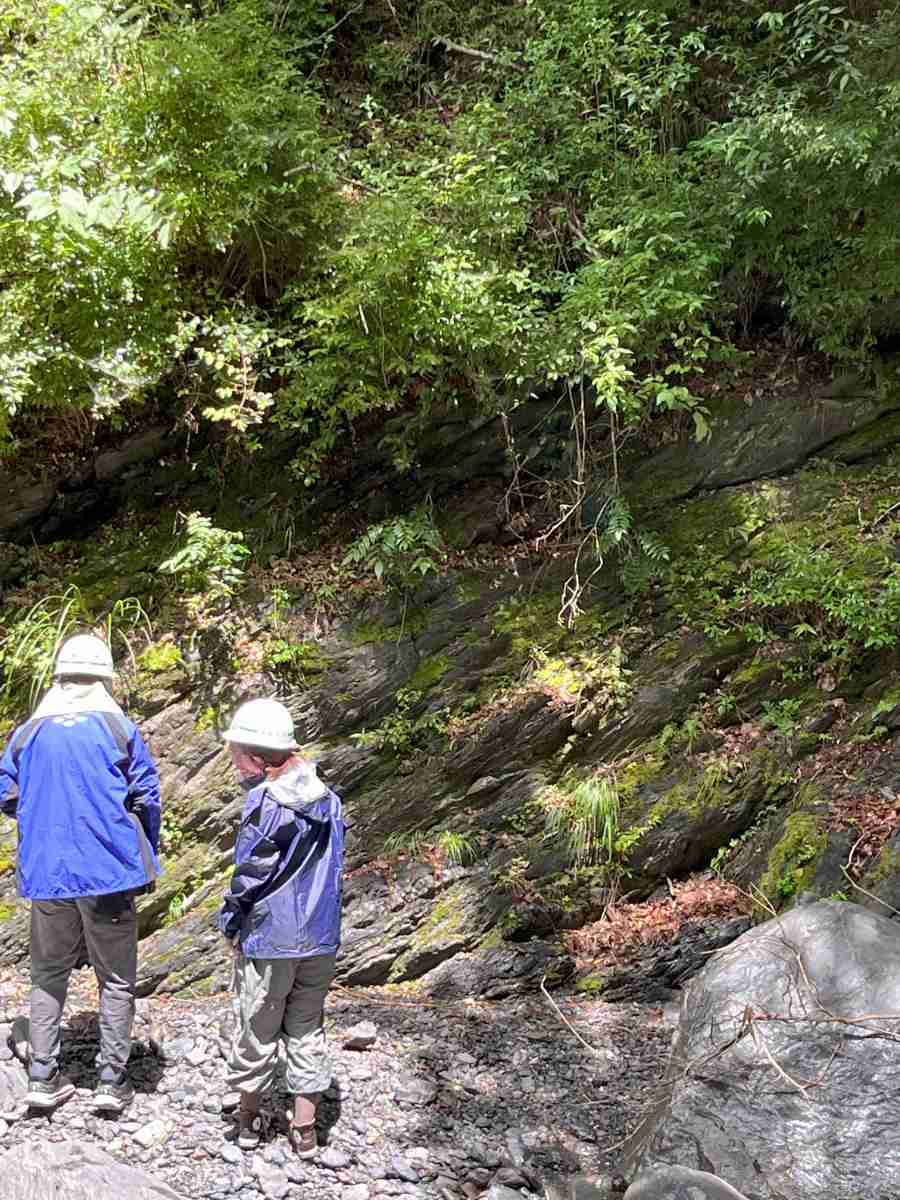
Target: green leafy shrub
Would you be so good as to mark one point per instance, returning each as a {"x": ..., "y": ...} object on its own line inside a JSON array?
[
  {"x": 209, "y": 560},
  {"x": 154, "y": 169},
  {"x": 296, "y": 660},
  {"x": 403, "y": 733},
  {"x": 400, "y": 552}
]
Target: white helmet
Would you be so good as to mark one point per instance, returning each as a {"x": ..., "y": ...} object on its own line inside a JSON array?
[
  {"x": 84, "y": 655},
  {"x": 265, "y": 724}
]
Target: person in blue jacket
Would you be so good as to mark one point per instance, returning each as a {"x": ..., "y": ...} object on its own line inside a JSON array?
[
  {"x": 282, "y": 918},
  {"x": 84, "y": 790}
]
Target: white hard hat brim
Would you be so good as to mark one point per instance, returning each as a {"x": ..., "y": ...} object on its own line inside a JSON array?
[
  {"x": 258, "y": 741},
  {"x": 95, "y": 672}
]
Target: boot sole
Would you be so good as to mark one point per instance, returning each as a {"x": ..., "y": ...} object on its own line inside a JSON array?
[{"x": 42, "y": 1100}]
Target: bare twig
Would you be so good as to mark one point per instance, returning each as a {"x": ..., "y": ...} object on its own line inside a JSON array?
[
  {"x": 568, "y": 1023},
  {"x": 887, "y": 512},
  {"x": 456, "y": 48},
  {"x": 871, "y": 895}
]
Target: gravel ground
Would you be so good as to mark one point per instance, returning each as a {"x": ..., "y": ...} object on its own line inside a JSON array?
[{"x": 447, "y": 1102}]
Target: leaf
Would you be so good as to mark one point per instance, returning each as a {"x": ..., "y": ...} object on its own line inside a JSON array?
[
  {"x": 40, "y": 205},
  {"x": 701, "y": 426}
]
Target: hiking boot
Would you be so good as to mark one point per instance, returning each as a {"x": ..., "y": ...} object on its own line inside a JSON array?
[
  {"x": 250, "y": 1124},
  {"x": 112, "y": 1098},
  {"x": 303, "y": 1140},
  {"x": 47, "y": 1093}
]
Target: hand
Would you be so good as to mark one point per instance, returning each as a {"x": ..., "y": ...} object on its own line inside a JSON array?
[{"x": 234, "y": 945}]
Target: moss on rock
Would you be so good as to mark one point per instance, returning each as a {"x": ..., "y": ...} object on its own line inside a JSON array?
[{"x": 792, "y": 860}]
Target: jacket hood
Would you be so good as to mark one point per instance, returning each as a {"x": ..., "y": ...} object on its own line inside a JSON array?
[
  {"x": 69, "y": 699},
  {"x": 298, "y": 788}
]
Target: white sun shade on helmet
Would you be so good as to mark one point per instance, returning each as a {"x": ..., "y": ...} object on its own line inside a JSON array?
[
  {"x": 265, "y": 724},
  {"x": 84, "y": 654}
]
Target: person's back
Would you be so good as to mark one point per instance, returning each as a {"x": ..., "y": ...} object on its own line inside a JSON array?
[
  {"x": 298, "y": 914},
  {"x": 80, "y": 775}
]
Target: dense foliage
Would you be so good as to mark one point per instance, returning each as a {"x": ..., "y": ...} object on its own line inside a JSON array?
[{"x": 306, "y": 211}]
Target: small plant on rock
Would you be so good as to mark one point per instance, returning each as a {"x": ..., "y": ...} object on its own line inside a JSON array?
[
  {"x": 400, "y": 552},
  {"x": 209, "y": 559},
  {"x": 586, "y": 819}
]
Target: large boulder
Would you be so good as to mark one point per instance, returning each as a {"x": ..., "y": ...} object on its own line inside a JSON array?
[
  {"x": 680, "y": 1183},
  {"x": 74, "y": 1171},
  {"x": 785, "y": 1073}
]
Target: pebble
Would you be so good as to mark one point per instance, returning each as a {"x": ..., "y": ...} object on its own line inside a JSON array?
[
  {"x": 498, "y": 1192},
  {"x": 401, "y": 1169},
  {"x": 196, "y": 1056},
  {"x": 356, "y": 1191},
  {"x": 360, "y": 1037},
  {"x": 151, "y": 1134},
  {"x": 334, "y": 1159},
  {"x": 415, "y": 1091}
]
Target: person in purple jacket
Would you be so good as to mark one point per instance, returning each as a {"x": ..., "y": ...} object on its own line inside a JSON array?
[
  {"x": 84, "y": 790},
  {"x": 282, "y": 918}
]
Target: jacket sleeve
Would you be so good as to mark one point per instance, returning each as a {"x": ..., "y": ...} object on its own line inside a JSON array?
[
  {"x": 9, "y": 779},
  {"x": 256, "y": 860},
  {"x": 143, "y": 780}
]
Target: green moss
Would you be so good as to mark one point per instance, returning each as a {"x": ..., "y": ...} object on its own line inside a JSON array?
[
  {"x": 446, "y": 920},
  {"x": 160, "y": 657},
  {"x": 530, "y": 621},
  {"x": 792, "y": 861},
  {"x": 670, "y": 652},
  {"x": 207, "y": 719},
  {"x": 886, "y": 866},
  {"x": 469, "y": 590},
  {"x": 758, "y": 668},
  {"x": 492, "y": 940},
  {"x": 7, "y": 863},
  {"x": 635, "y": 774},
  {"x": 367, "y": 632},
  {"x": 7, "y": 910},
  {"x": 591, "y": 985},
  {"x": 692, "y": 796},
  {"x": 887, "y": 702},
  {"x": 429, "y": 671}
]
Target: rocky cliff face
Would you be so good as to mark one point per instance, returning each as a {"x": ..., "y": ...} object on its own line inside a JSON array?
[{"x": 733, "y": 721}]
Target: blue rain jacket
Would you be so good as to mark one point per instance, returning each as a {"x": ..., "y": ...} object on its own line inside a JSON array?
[
  {"x": 284, "y": 900},
  {"x": 85, "y": 793}
]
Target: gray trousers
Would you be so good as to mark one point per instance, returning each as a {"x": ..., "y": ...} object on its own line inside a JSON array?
[
  {"x": 60, "y": 931},
  {"x": 280, "y": 999}
]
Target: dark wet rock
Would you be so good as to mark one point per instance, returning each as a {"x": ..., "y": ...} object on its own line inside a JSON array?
[
  {"x": 769, "y": 437},
  {"x": 499, "y": 972},
  {"x": 660, "y": 969},
  {"x": 790, "y": 1002}
]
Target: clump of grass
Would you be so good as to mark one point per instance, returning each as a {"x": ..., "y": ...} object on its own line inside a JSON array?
[{"x": 586, "y": 819}]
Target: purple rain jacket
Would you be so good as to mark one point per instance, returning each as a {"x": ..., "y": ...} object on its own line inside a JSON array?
[{"x": 284, "y": 900}]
